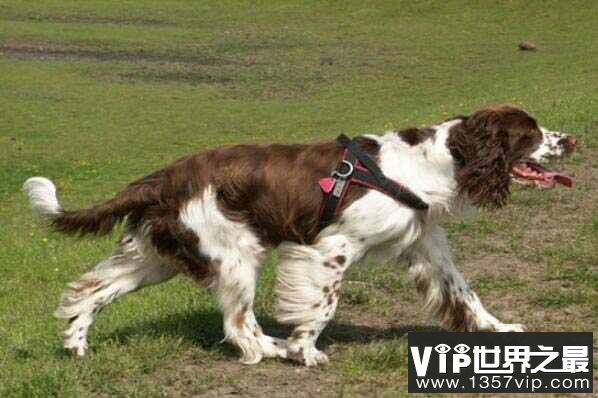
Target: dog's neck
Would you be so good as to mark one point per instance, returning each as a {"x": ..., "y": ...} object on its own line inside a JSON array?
[{"x": 424, "y": 164}]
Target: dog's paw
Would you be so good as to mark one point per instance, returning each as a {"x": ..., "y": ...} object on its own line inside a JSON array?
[
  {"x": 310, "y": 356},
  {"x": 250, "y": 356},
  {"x": 75, "y": 342},
  {"x": 511, "y": 327},
  {"x": 317, "y": 357},
  {"x": 273, "y": 347},
  {"x": 78, "y": 350}
]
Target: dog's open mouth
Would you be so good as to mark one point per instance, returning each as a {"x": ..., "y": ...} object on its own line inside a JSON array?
[{"x": 530, "y": 172}]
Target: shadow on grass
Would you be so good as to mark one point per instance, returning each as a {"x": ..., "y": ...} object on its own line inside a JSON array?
[
  {"x": 344, "y": 333},
  {"x": 204, "y": 329}
]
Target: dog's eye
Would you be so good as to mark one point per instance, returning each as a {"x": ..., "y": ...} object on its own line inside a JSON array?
[
  {"x": 462, "y": 348},
  {"x": 442, "y": 348}
]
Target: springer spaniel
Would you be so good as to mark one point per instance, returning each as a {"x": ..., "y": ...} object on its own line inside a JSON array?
[{"x": 212, "y": 215}]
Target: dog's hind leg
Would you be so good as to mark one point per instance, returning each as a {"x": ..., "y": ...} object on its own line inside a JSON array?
[
  {"x": 235, "y": 291},
  {"x": 133, "y": 265},
  {"x": 235, "y": 255}
]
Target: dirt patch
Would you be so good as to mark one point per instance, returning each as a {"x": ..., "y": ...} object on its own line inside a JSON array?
[
  {"x": 90, "y": 19},
  {"x": 55, "y": 52},
  {"x": 231, "y": 378},
  {"x": 192, "y": 76}
]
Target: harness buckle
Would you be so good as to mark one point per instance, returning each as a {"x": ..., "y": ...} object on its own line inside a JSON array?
[{"x": 343, "y": 174}]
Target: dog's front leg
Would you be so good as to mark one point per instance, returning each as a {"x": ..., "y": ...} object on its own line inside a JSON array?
[
  {"x": 447, "y": 296},
  {"x": 309, "y": 281}
]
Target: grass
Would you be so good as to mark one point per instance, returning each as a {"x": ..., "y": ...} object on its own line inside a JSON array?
[
  {"x": 558, "y": 297},
  {"x": 94, "y": 94}
]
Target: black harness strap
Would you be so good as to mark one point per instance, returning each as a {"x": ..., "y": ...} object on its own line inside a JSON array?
[{"x": 358, "y": 168}]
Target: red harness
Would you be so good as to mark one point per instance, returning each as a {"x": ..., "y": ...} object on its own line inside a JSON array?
[{"x": 357, "y": 167}]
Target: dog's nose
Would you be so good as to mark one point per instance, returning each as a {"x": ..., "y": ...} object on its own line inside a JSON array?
[{"x": 568, "y": 144}]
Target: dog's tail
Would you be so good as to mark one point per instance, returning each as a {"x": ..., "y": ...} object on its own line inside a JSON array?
[{"x": 99, "y": 220}]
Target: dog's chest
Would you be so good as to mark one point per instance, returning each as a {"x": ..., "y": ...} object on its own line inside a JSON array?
[{"x": 376, "y": 219}]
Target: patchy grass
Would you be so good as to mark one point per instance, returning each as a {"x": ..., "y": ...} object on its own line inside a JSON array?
[
  {"x": 96, "y": 93},
  {"x": 558, "y": 297}
]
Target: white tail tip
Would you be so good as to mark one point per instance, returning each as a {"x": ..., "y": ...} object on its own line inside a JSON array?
[{"x": 42, "y": 196}]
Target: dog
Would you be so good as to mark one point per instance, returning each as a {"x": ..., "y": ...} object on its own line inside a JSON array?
[{"x": 212, "y": 216}]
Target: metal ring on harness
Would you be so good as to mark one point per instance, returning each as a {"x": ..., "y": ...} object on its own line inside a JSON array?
[
  {"x": 367, "y": 174},
  {"x": 340, "y": 174}
]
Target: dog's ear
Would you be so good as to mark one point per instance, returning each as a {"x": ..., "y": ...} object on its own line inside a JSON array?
[{"x": 480, "y": 146}]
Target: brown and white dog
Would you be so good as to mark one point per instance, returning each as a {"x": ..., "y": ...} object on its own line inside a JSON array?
[{"x": 212, "y": 215}]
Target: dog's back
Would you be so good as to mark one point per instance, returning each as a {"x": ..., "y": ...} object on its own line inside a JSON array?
[{"x": 273, "y": 188}]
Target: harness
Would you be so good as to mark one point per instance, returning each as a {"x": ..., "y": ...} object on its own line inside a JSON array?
[{"x": 357, "y": 167}]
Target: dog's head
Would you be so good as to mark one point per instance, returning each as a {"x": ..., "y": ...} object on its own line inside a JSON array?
[
  {"x": 555, "y": 145},
  {"x": 497, "y": 143}
]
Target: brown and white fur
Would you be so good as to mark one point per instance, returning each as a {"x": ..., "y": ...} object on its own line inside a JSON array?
[{"x": 212, "y": 216}]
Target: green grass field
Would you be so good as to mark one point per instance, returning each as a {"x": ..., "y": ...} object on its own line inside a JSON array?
[{"x": 95, "y": 94}]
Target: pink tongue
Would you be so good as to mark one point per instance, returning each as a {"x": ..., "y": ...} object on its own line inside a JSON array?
[{"x": 561, "y": 179}]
